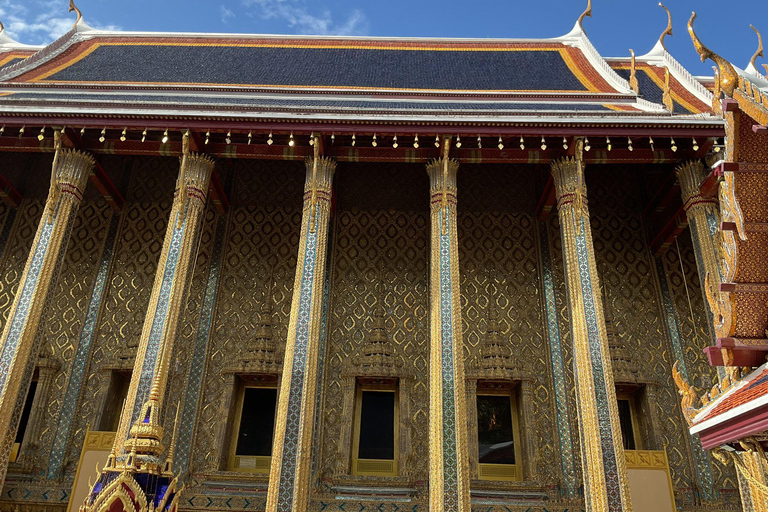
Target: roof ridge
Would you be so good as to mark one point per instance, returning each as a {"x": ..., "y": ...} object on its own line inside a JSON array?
[
  {"x": 47, "y": 52},
  {"x": 659, "y": 56}
]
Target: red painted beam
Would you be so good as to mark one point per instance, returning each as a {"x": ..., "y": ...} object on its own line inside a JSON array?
[
  {"x": 8, "y": 194},
  {"x": 457, "y": 127},
  {"x": 547, "y": 200},
  {"x": 105, "y": 186},
  {"x": 741, "y": 357},
  {"x": 665, "y": 194},
  {"x": 218, "y": 196},
  {"x": 669, "y": 232}
]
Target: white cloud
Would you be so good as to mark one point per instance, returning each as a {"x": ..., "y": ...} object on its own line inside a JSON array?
[
  {"x": 305, "y": 20},
  {"x": 40, "y": 21},
  {"x": 226, "y": 14}
]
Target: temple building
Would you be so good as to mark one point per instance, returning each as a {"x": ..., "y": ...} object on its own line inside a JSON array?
[{"x": 293, "y": 273}]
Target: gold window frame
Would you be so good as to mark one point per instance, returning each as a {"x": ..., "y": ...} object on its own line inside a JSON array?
[
  {"x": 375, "y": 467},
  {"x": 633, "y": 416},
  {"x": 501, "y": 472},
  {"x": 254, "y": 464}
]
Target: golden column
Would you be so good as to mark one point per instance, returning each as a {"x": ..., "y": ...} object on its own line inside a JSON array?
[
  {"x": 169, "y": 292},
  {"x": 448, "y": 453},
  {"x": 606, "y": 488},
  {"x": 18, "y": 347},
  {"x": 292, "y": 446},
  {"x": 704, "y": 222}
]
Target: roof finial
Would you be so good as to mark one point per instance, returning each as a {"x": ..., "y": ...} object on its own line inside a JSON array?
[
  {"x": 668, "y": 30},
  {"x": 667, "y": 98},
  {"x": 633, "y": 83},
  {"x": 587, "y": 12},
  {"x": 729, "y": 79},
  {"x": 73, "y": 7},
  {"x": 2, "y": 27},
  {"x": 759, "y": 52}
]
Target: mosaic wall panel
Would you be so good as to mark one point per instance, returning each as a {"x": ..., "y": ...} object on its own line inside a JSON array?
[
  {"x": 183, "y": 349},
  {"x": 381, "y": 249},
  {"x": 564, "y": 326},
  {"x": 498, "y": 253},
  {"x": 63, "y": 321},
  {"x": 634, "y": 304},
  {"x": 685, "y": 289},
  {"x": 261, "y": 245},
  {"x": 137, "y": 250},
  {"x": 18, "y": 235}
]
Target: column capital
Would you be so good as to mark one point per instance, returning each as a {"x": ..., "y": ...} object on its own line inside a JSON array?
[
  {"x": 326, "y": 167},
  {"x": 436, "y": 170},
  {"x": 194, "y": 177},
  {"x": 568, "y": 175},
  {"x": 690, "y": 175},
  {"x": 71, "y": 169}
]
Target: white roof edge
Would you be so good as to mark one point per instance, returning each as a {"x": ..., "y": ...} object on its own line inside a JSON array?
[
  {"x": 559, "y": 119},
  {"x": 7, "y": 44},
  {"x": 660, "y": 57},
  {"x": 578, "y": 39},
  {"x": 720, "y": 418},
  {"x": 754, "y": 76}
]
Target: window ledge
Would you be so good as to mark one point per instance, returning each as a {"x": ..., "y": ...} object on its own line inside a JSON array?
[{"x": 233, "y": 480}]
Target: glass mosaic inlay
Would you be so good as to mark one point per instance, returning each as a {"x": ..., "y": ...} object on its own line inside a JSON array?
[
  {"x": 702, "y": 460},
  {"x": 298, "y": 372},
  {"x": 202, "y": 338},
  {"x": 558, "y": 369},
  {"x": 450, "y": 441},
  {"x": 72, "y": 393},
  {"x": 158, "y": 319},
  {"x": 605, "y": 427},
  {"x": 28, "y": 289}
]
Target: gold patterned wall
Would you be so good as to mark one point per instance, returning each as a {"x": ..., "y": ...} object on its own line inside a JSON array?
[
  {"x": 129, "y": 284},
  {"x": 380, "y": 250},
  {"x": 260, "y": 246},
  {"x": 499, "y": 258},
  {"x": 633, "y": 299},
  {"x": 685, "y": 288}
]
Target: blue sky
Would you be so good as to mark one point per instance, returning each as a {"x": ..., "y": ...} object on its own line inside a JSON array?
[{"x": 617, "y": 25}]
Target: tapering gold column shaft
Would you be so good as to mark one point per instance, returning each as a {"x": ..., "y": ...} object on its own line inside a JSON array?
[
  {"x": 704, "y": 222},
  {"x": 169, "y": 292},
  {"x": 18, "y": 350},
  {"x": 289, "y": 476},
  {"x": 606, "y": 488},
  {"x": 448, "y": 452}
]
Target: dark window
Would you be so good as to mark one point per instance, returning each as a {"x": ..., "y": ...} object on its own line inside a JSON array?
[
  {"x": 627, "y": 428},
  {"x": 26, "y": 412},
  {"x": 257, "y": 422},
  {"x": 113, "y": 405},
  {"x": 377, "y": 425},
  {"x": 495, "y": 434}
]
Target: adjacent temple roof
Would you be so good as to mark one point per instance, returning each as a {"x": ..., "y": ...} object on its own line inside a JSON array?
[
  {"x": 94, "y": 72},
  {"x": 740, "y": 412}
]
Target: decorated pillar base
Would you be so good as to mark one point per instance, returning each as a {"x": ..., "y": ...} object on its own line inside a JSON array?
[
  {"x": 19, "y": 344},
  {"x": 606, "y": 486},
  {"x": 448, "y": 453}
]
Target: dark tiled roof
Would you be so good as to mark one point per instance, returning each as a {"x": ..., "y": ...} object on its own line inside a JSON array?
[
  {"x": 426, "y": 69},
  {"x": 649, "y": 90},
  {"x": 11, "y": 62},
  {"x": 266, "y": 103}
]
